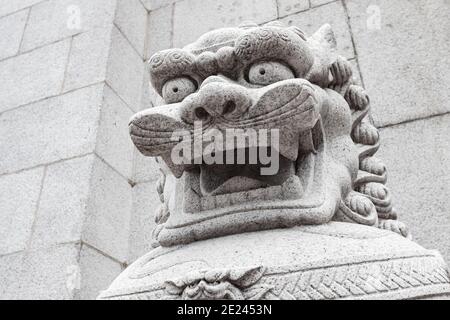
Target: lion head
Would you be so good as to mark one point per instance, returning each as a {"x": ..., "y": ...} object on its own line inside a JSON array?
[{"x": 261, "y": 79}]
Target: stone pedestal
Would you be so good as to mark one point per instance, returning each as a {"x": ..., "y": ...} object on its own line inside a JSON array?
[{"x": 331, "y": 261}]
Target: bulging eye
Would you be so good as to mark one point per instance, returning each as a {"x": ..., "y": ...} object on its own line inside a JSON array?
[
  {"x": 265, "y": 73},
  {"x": 176, "y": 90}
]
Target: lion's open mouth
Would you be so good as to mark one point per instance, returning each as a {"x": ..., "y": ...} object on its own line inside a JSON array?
[{"x": 227, "y": 185}]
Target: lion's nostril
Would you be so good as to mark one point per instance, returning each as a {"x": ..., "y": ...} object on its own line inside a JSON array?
[
  {"x": 201, "y": 113},
  {"x": 230, "y": 106}
]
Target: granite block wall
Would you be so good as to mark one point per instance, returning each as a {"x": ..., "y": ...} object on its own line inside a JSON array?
[{"x": 77, "y": 199}]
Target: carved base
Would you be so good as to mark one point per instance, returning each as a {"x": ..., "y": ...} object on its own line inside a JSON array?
[{"x": 333, "y": 261}]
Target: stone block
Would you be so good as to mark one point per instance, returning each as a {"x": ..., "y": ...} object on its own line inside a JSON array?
[
  {"x": 88, "y": 60},
  {"x": 10, "y": 276},
  {"x": 316, "y": 3},
  {"x": 131, "y": 19},
  {"x": 192, "y": 18},
  {"x": 63, "y": 203},
  {"x": 334, "y": 14},
  {"x": 152, "y": 5},
  {"x": 403, "y": 53},
  {"x": 417, "y": 155},
  {"x": 51, "y": 130},
  {"x": 11, "y": 29},
  {"x": 145, "y": 168},
  {"x": 146, "y": 99},
  {"x": 97, "y": 272},
  {"x": 8, "y": 6},
  {"x": 19, "y": 197},
  {"x": 287, "y": 7},
  {"x": 125, "y": 70},
  {"x": 33, "y": 76},
  {"x": 159, "y": 35},
  {"x": 113, "y": 140},
  {"x": 53, "y": 20},
  {"x": 107, "y": 221},
  {"x": 145, "y": 203},
  {"x": 48, "y": 274}
]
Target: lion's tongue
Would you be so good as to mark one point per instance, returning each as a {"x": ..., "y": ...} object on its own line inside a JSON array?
[
  {"x": 238, "y": 184},
  {"x": 223, "y": 179}
]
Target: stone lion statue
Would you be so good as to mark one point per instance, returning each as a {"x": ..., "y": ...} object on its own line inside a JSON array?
[
  {"x": 228, "y": 231},
  {"x": 263, "y": 78}
]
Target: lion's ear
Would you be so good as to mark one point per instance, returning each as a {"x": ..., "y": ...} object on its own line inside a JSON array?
[{"x": 326, "y": 37}]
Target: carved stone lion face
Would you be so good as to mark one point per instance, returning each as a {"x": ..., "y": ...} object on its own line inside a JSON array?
[{"x": 260, "y": 78}]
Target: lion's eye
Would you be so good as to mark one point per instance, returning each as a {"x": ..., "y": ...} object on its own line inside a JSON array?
[
  {"x": 265, "y": 73},
  {"x": 177, "y": 89}
]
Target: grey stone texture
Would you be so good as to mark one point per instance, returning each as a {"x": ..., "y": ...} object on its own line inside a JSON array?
[
  {"x": 311, "y": 230},
  {"x": 93, "y": 281},
  {"x": 403, "y": 54},
  {"x": 417, "y": 155},
  {"x": 66, "y": 158},
  {"x": 66, "y": 96},
  {"x": 40, "y": 75},
  {"x": 11, "y": 28},
  {"x": 305, "y": 263},
  {"x": 19, "y": 196},
  {"x": 107, "y": 221},
  {"x": 40, "y": 274},
  {"x": 53, "y": 20},
  {"x": 9, "y": 7},
  {"x": 135, "y": 28},
  {"x": 334, "y": 14},
  {"x": 287, "y": 7},
  {"x": 159, "y": 30},
  {"x": 192, "y": 18},
  {"x": 56, "y": 128}
]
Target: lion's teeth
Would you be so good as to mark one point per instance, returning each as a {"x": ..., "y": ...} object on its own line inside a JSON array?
[
  {"x": 307, "y": 142},
  {"x": 176, "y": 169},
  {"x": 289, "y": 143}
]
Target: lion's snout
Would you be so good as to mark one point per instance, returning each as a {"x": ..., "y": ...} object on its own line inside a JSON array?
[{"x": 217, "y": 98}]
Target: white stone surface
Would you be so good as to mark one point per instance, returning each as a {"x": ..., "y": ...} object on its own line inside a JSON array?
[
  {"x": 11, "y": 29},
  {"x": 332, "y": 13},
  {"x": 152, "y": 5},
  {"x": 145, "y": 168},
  {"x": 125, "y": 70},
  {"x": 8, "y": 6},
  {"x": 33, "y": 76},
  {"x": 53, "y": 20},
  {"x": 63, "y": 203},
  {"x": 403, "y": 53},
  {"x": 51, "y": 130},
  {"x": 19, "y": 197},
  {"x": 96, "y": 271},
  {"x": 326, "y": 262},
  {"x": 10, "y": 276},
  {"x": 113, "y": 141},
  {"x": 88, "y": 60},
  {"x": 107, "y": 221},
  {"x": 417, "y": 156},
  {"x": 192, "y": 18},
  {"x": 145, "y": 204},
  {"x": 159, "y": 34},
  {"x": 131, "y": 19},
  {"x": 287, "y": 7},
  {"x": 46, "y": 274},
  {"x": 315, "y": 3}
]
